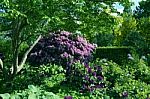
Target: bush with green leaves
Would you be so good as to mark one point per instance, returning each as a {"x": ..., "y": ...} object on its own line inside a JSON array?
[
  {"x": 127, "y": 81},
  {"x": 104, "y": 39},
  {"x": 136, "y": 40},
  {"x": 37, "y": 76},
  {"x": 32, "y": 92}
]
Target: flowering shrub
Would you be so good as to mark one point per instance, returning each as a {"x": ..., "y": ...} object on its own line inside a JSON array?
[
  {"x": 62, "y": 48},
  {"x": 92, "y": 78},
  {"x": 89, "y": 76}
]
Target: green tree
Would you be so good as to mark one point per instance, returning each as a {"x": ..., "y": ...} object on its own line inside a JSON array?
[
  {"x": 24, "y": 21},
  {"x": 142, "y": 15},
  {"x": 143, "y": 9},
  {"x": 127, "y": 24}
]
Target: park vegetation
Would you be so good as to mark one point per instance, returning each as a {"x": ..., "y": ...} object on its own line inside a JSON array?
[{"x": 74, "y": 49}]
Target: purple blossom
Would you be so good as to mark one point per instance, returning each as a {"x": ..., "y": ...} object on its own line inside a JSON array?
[
  {"x": 86, "y": 65},
  {"x": 99, "y": 68},
  {"x": 99, "y": 77},
  {"x": 94, "y": 73},
  {"x": 68, "y": 44},
  {"x": 89, "y": 70},
  {"x": 91, "y": 46},
  {"x": 68, "y": 97},
  {"x": 65, "y": 33},
  {"x": 81, "y": 39},
  {"x": 65, "y": 55},
  {"x": 72, "y": 51},
  {"x": 86, "y": 77},
  {"x": 91, "y": 81},
  {"x": 99, "y": 86}
]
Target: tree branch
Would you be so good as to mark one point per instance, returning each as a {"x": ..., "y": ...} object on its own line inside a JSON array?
[
  {"x": 1, "y": 64},
  {"x": 26, "y": 54}
]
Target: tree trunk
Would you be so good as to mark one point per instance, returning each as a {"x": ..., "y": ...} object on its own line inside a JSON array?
[
  {"x": 15, "y": 45},
  {"x": 10, "y": 73}
]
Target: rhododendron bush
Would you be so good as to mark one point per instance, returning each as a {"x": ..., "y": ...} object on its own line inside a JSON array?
[{"x": 63, "y": 48}]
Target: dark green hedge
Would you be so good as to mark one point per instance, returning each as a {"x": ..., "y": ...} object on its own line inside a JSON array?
[{"x": 116, "y": 54}]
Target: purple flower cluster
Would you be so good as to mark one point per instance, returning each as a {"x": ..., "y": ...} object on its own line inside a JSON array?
[
  {"x": 62, "y": 48},
  {"x": 68, "y": 97},
  {"x": 92, "y": 78}
]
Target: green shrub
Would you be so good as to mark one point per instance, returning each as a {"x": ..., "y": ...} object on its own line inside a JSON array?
[
  {"x": 36, "y": 76},
  {"x": 32, "y": 92},
  {"x": 140, "y": 70},
  {"x": 103, "y": 39},
  {"x": 133, "y": 88},
  {"x": 117, "y": 54},
  {"x": 127, "y": 81},
  {"x": 54, "y": 80},
  {"x": 136, "y": 40}
]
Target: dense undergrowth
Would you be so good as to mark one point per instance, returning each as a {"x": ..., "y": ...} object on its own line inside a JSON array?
[{"x": 129, "y": 81}]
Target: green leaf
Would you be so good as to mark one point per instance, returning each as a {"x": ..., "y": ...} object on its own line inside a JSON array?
[
  {"x": 33, "y": 88},
  {"x": 15, "y": 96},
  {"x": 50, "y": 95},
  {"x": 106, "y": 97},
  {"x": 5, "y": 96},
  {"x": 32, "y": 96}
]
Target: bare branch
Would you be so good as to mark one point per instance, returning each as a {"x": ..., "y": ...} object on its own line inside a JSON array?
[
  {"x": 26, "y": 54},
  {"x": 1, "y": 64}
]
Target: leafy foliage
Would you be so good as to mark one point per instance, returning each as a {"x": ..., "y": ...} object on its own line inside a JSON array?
[
  {"x": 22, "y": 21},
  {"x": 142, "y": 10},
  {"x": 111, "y": 53},
  {"x": 32, "y": 92},
  {"x": 126, "y": 81},
  {"x": 104, "y": 39}
]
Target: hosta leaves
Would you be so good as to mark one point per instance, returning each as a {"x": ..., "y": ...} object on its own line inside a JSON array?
[
  {"x": 5, "y": 96},
  {"x": 32, "y": 96},
  {"x": 33, "y": 88}
]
